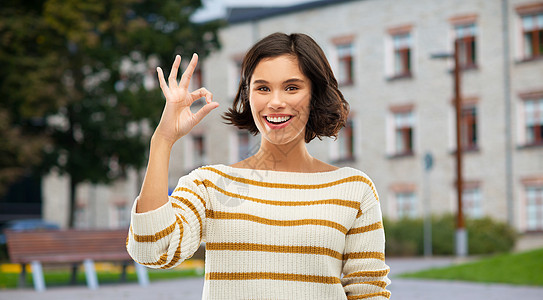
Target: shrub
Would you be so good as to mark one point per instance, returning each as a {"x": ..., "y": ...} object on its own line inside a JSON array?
[
  {"x": 488, "y": 236},
  {"x": 405, "y": 237}
]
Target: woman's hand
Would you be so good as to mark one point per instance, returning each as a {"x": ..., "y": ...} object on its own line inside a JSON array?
[{"x": 177, "y": 120}]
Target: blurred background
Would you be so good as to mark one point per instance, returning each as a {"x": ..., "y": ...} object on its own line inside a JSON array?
[{"x": 80, "y": 99}]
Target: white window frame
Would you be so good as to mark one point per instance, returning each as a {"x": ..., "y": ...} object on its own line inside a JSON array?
[
  {"x": 389, "y": 49},
  {"x": 334, "y": 145},
  {"x": 412, "y": 198},
  {"x": 473, "y": 195},
  {"x": 343, "y": 50},
  {"x": 391, "y": 132},
  {"x": 539, "y": 226}
]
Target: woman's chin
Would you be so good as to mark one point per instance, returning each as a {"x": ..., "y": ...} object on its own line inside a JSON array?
[{"x": 281, "y": 139}]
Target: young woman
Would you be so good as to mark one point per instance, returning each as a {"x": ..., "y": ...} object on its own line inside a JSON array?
[{"x": 280, "y": 224}]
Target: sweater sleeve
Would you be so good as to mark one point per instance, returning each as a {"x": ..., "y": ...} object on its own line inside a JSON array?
[
  {"x": 364, "y": 269},
  {"x": 166, "y": 236}
]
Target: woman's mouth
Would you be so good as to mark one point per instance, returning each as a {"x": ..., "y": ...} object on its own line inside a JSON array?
[{"x": 277, "y": 122}]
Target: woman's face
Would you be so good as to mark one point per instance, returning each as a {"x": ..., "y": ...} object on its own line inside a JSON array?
[{"x": 279, "y": 96}]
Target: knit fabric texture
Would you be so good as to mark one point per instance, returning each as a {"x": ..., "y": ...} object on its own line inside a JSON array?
[{"x": 270, "y": 234}]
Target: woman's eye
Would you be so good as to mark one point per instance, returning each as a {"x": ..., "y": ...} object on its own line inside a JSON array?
[
  {"x": 292, "y": 88},
  {"x": 263, "y": 88}
]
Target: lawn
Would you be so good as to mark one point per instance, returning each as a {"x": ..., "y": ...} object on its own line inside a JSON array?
[
  {"x": 107, "y": 274},
  {"x": 524, "y": 268}
]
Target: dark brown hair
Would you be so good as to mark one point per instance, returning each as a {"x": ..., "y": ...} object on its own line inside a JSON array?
[{"x": 328, "y": 109}]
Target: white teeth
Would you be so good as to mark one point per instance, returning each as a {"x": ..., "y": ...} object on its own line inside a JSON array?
[{"x": 278, "y": 119}]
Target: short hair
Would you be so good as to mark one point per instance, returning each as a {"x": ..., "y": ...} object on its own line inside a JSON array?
[{"x": 328, "y": 108}]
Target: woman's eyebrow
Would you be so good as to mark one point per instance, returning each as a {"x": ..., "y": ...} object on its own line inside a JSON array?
[
  {"x": 260, "y": 81},
  {"x": 292, "y": 80}
]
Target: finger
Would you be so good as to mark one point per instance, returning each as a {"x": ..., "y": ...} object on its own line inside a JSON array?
[
  {"x": 202, "y": 112},
  {"x": 162, "y": 82},
  {"x": 172, "y": 79},
  {"x": 202, "y": 92},
  {"x": 187, "y": 75}
]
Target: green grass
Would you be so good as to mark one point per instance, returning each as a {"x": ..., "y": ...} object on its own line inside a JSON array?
[
  {"x": 524, "y": 268},
  {"x": 62, "y": 277}
]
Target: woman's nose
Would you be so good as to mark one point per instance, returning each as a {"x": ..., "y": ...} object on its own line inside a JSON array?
[{"x": 276, "y": 102}]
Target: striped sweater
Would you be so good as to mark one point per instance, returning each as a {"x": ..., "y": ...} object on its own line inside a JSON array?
[{"x": 270, "y": 234}]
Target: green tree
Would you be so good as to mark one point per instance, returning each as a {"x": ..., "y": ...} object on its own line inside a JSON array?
[
  {"x": 28, "y": 87},
  {"x": 95, "y": 134}
]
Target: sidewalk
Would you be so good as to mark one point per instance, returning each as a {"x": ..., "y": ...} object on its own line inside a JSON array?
[{"x": 191, "y": 289}]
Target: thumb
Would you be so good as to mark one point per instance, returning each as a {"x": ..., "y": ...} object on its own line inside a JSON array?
[{"x": 206, "y": 109}]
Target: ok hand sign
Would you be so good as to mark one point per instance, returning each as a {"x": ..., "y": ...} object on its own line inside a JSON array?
[{"x": 177, "y": 120}]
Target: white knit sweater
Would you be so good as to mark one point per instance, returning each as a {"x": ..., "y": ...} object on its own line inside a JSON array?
[{"x": 271, "y": 234}]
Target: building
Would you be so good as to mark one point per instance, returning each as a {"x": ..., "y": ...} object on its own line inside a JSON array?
[
  {"x": 402, "y": 102},
  {"x": 402, "y": 99}
]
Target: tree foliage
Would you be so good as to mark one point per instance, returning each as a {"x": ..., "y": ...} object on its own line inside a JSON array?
[{"x": 74, "y": 81}]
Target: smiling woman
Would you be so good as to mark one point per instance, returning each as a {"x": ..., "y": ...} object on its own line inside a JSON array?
[
  {"x": 328, "y": 109},
  {"x": 280, "y": 224},
  {"x": 280, "y": 106}
]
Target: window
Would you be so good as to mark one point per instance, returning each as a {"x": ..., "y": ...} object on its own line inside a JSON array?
[
  {"x": 533, "y": 116},
  {"x": 199, "y": 155},
  {"x": 468, "y": 127},
  {"x": 197, "y": 82},
  {"x": 472, "y": 202},
  {"x": 235, "y": 74},
  {"x": 237, "y": 64},
  {"x": 403, "y": 133},
  {"x": 81, "y": 216},
  {"x": 345, "y": 64},
  {"x": 532, "y": 35},
  {"x": 406, "y": 205},
  {"x": 122, "y": 215},
  {"x": 346, "y": 142},
  {"x": 197, "y": 77},
  {"x": 534, "y": 207},
  {"x": 465, "y": 37},
  {"x": 402, "y": 54},
  {"x": 243, "y": 145}
]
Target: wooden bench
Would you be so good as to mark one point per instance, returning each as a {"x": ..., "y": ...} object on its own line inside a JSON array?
[{"x": 70, "y": 246}]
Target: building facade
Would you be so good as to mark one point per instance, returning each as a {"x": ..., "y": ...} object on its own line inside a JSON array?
[
  {"x": 401, "y": 102},
  {"x": 402, "y": 105}
]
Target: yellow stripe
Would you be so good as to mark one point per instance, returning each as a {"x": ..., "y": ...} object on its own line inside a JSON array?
[
  {"x": 368, "y": 274},
  {"x": 365, "y": 296},
  {"x": 368, "y": 228},
  {"x": 162, "y": 260},
  {"x": 183, "y": 218},
  {"x": 272, "y": 276},
  {"x": 359, "y": 213},
  {"x": 379, "y": 283},
  {"x": 239, "y": 216},
  {"x": 274, "y": 248},
  {"x": 183, "y": 189},
  {"x": 164, "y": 257},
  {"x": 346, "y": 203},
  {"x": 154, "y": 237},
  {"x": 363, "y": 255},
  {"x": 177, "y": 255},
  {"x": 296, "y": 186},
  {"x": 192, "y": 207}
]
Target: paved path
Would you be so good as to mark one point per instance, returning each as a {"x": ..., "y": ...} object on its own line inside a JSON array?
[{"x": 402, "y": 289}]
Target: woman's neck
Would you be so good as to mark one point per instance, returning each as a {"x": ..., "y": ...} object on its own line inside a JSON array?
[{"x": 291, "y": 157}]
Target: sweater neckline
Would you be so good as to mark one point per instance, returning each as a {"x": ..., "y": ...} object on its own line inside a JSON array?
[{"x": 284, "y": 173}]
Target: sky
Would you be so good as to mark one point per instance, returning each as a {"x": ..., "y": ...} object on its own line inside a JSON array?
[{"x": 217, "y": 8}]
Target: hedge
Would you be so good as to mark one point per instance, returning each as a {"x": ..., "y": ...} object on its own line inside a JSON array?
[{"x": 405, "y": 237}]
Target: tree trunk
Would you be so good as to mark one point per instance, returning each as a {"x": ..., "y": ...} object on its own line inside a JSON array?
[{"x": 71, "y": 220}]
